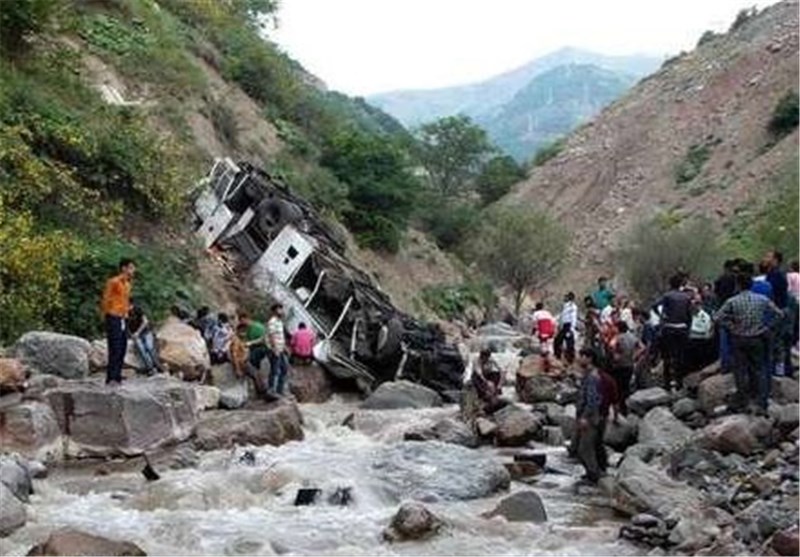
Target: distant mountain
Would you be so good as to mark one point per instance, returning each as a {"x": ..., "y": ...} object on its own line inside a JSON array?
[
  {"x": 414, "y": 107},
  {"x": 551, "y": 105}
]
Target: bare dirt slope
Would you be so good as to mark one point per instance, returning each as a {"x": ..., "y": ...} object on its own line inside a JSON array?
[{"x": 622, "y": 166}]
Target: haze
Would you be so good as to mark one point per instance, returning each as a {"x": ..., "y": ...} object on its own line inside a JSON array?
[{"x": 363, "y": 47}]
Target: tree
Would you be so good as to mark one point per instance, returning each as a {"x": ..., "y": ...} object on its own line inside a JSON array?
[
  {"x": 382, "y": 190},
  {"x": 497, "y": 177},
  {"x": 520, "y": 248},
  {"x": 657, "y": 248},
  {"x": 452, "y": 150}
]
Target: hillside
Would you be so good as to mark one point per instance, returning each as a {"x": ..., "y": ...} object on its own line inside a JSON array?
[
  {"x": 551, "y": 105},
  {"x": 692, "y": 139},
  {"x": 109, "y": 113},
  {"x": 482, "y": 99}
]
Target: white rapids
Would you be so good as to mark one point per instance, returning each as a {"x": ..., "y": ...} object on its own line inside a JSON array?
[{"x": 228, "y": 507}]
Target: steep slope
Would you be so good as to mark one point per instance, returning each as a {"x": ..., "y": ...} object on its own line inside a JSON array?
[
  {"x": 631, "y": 160},
  {"x": 414, "y": 107},
  {"x": 551, "y": 105}
]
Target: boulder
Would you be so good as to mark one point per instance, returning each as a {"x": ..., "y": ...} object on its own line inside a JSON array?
[
  {"x": 693, "y": 380},
  {"x": 786, "y": 542},
  {"x": 183, "y": 350},
  {"x": 524, "y": 506},
  {"x": 785, "y": 390},
  {"x": 16, "y": 477},
  {"x": 485, "y": 427},
  {"x": 715, "y": 391},
  {"x": 642, "y": 487},
  {"x": 663, "y": 431},
  {"x": 310, "y": 383},
  {"x": 54, "y": 354},
  {"x": 234, "y": 391},
  {"x": 699, "y": 530},
  {"x": 68, "y": 541},
  {"x": 787, "y": 416},
  {"x": 31, "y": 429},
  {"x": 762, "y": 519},
  {"x": 138, "y": 416},
  {"x": 401, "y": 394},
  {"x": 12, "y": 512},
  {"x": 447, "y": 430},
  {"x": 413, "y": 521},
  {"x": 552, "y": 435},
  {"x": 98, "y": 357},
  {"x": 567, "y": 421},
  {"x": 536, "y": 387},
  {"x": 436, "y": 471},
  {"x": 621, "y": 434},
  {"x": 642, "y": 401},
  {"x": 684, "y": 408},
  {"x": 738, "y": 433},
  {"x": 12, "y": 375},
  {"x": 276, "y": 425},
  {"x": 515, "y": 426},
  {"x": 207, "y": 396}
]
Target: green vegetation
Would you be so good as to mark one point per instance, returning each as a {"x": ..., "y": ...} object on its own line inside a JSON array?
[
  {"x": 452, "y": 301},
  {"x": 520, "y": 248},
  {"x": 656, "y": 248},
  {"x": 448, "y": 221},
  {"x": 785, "y": 116},
  {"x": 692, "y": 164},
  {"x": 707, "y": 37},
  {"x": 497, "y": 177},
  {"x": 21, "y": 19},
  {"x": 453, "y": 150},
  {"x": 744, "y": 15},
  {"x": 548, "y": 152},
  {"x": 770, "y": 224}
]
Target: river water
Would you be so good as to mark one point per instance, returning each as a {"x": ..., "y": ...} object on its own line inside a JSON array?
[{"x": 227, "y": 506}]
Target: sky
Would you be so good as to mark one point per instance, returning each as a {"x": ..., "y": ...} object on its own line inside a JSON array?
[{"x": 362, "y": 47}]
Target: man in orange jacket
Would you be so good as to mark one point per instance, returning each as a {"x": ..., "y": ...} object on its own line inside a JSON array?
[{"x": 115, "y": 307}]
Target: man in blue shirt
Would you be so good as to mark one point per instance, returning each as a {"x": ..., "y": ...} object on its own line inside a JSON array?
[{"x": 781, "y": 347}]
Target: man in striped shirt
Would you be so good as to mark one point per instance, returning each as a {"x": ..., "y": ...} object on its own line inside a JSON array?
[{"x": 745, "y": 316}]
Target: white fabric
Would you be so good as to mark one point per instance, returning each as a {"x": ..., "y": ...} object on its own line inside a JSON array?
[
  {"x": 569, "y": 314},
  {"x": 702, "y": 325}
]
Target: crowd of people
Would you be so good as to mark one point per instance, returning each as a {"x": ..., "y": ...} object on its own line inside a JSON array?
[
  {"x": 241, "y": 340},
  {"x": 747, "y": 319}
]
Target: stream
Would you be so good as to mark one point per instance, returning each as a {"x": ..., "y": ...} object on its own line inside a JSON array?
[{"x": 234, "y": 504}]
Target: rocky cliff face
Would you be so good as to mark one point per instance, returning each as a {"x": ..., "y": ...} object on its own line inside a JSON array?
[{"x": 627, "y": 163}]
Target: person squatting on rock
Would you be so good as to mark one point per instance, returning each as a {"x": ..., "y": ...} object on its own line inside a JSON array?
[
  {"x": 144, "y": 340},
  {"x": 488, "y": 380},
  {"x": 115, "y": 307},
  {"x": 302, "y": 345}
]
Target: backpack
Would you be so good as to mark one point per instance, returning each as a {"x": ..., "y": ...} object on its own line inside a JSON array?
[{"x": 546, "y": 328}]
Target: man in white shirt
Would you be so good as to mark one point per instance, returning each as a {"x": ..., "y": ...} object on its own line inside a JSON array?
[
  {"x": 278, "y": 359},
  {"x": 568, "y": 324}
]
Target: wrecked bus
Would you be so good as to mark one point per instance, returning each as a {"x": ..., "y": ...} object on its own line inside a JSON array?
[{"x": 284, "y": 249}]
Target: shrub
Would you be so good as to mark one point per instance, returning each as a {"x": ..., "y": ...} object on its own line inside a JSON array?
[
  {"x": 448, "y": 221},
  {"x": 655, "y": 249},
  {"x": 707, "y": 37},
  {"x": 19, "y": 19},
  {"x": 497, "y": 177},
  {"x": 692, "y": 164},
  {"x": 744, "y": 15},
  {"x": 785, "y": 116},
  {"x": 451, "y": 301},
  {"x": 548, "y": 152},
  {"x": 224, "y": 122}
]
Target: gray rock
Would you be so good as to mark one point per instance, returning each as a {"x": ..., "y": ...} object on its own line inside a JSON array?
[
  {"x": 785, "y": 390},
  {"x": 16, "y": 477},
  {"x": 787, "y": 416},
  {"x": 567, "y": 421},
  {"x": 485, "y": 427},
  {"x": 736, "y": 434},
  {"x": 536, "y": 388},
  {"x": 699, "y": 530},
  {"x": 524, "y": 506},
  {"x": 447, "y": 430},
  {"x": 645, "y": 520},
  {"x": 402, "y": 394},
  {"x": 515, "y": 426},
  {"x": 31, "y": 430},
  {"x": 413, "y": 521},
  {"x": 552, "y": 435},
  {"x": 621, "y": 434},
  {"x": 12, "y": 512},
  {"x": 68, "y": 541},
  {"x": 762, "y": 519},
  {"x": 684, "y": 408},
  {"x": 460, "y": 473},
  {"x": 138, "y": 416},
  {"x": 552, "y": 411},
  {"x": 54, "y": 354},
  {"x": 642, "y": 401},
  {"x": 646, "y": 488},
  {"x": 233, "y": 390},
  {"x": 715, "y": 391},
  {"x": 660, "y": 429},
  {"x": 207, "y": 396},
  {"x": 278, "y": 424},
  {"x": 310, "y": 383}
]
